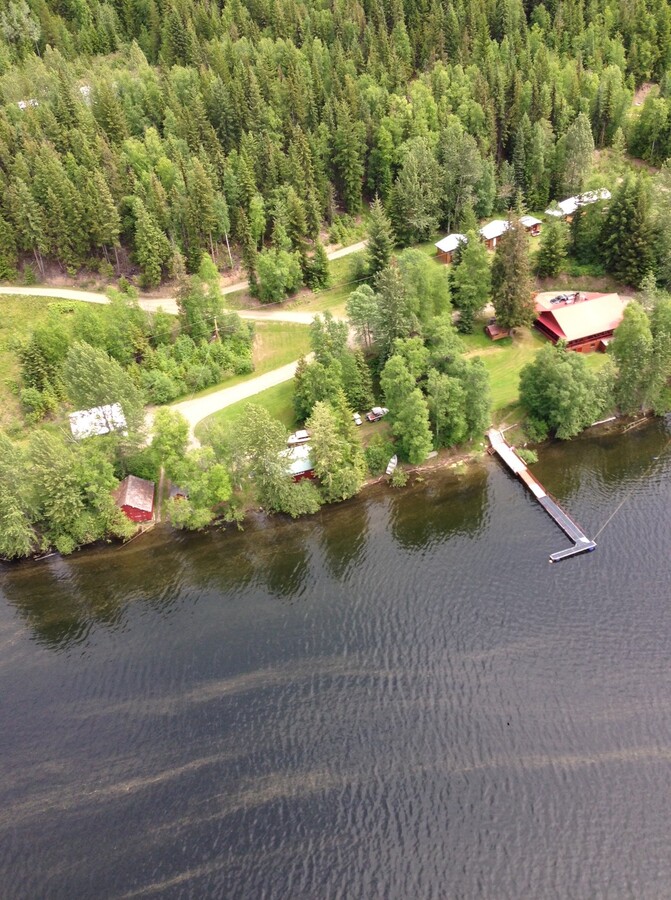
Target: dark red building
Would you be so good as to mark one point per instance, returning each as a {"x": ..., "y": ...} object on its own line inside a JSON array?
[
  {"x": 585, "y": 321},
  {"x": 135, "y": 496}
]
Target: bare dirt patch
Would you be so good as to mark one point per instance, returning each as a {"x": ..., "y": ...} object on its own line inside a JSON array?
[{"x": 642, "y": 93}]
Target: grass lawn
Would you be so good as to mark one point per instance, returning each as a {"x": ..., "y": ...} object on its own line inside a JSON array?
[
  {"x": 504, "y": 360},
  {"x": 278, "y": 343},
  {"x": 277, "y": 400},
  {"x": 19, "y": 315}
]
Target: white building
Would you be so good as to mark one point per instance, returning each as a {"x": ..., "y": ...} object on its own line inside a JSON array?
[
  {"x": 99, "y": 420},
  {"x": 446, "y": 246},
  {"x": 568, "y": 207}
]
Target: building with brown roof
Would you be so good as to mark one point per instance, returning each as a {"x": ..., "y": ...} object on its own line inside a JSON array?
[
  {"x": 586, "y": 321},
  {"x": 135, "y": 496}
]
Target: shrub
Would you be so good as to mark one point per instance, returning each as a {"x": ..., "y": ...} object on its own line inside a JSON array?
[
  {"x": 35, "y": 404},
  {"x": 528, "y": 456},
  {"x": 536, "y": 430},
  {"x": 399, "y": 478},
  {"x": 159, "y": 387},
  {"x": 378, "y": 453}
]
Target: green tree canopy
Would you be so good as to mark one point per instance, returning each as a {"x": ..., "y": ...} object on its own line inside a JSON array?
[
  {"x": 511, "y": 278},
  {"x": 558, "y": 390}
]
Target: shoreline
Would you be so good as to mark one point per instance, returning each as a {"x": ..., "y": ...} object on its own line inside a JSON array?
[{"x": 445, "y": 460}]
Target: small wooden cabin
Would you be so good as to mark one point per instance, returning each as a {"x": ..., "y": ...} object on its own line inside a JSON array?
[
  {"x": 135, "y": 496},
  {"x": 445, "y": 248},
  {"x": 492, "y": 231},
  {"x": 531, "y": 225},
  {"x": 299, "y": 462}
]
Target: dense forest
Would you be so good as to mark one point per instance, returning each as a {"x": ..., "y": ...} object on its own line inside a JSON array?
[{"x": 144, "y": 132}]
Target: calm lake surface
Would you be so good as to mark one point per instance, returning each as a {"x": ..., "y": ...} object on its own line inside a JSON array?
[{"x": 399, "y": 698}]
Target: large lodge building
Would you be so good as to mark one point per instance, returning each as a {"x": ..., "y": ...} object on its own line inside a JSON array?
[{"x": 586, "y": 321}]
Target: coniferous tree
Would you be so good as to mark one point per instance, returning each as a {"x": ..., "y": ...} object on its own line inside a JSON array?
[
  {"x": 511, "y": 278},
  {"x": 151, "y": 245},
  {"x": 471, "y": 283},
  {"x": 627, "y": 233},
  {"x": 415, "y": 202},
  {"x": 576, "y": 150},
  {"x": 8, "y": 251},
  {"x": 249, "y": 252},
  {"x": 380, "y": 239},
  {"x": 317, "y": 272},
  {"x": 553, "y": 247},
  {"x": 395, "y": 318}
]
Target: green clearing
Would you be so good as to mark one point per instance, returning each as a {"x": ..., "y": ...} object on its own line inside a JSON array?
[
  {"x": 278, "y": 343},
  {"x": 277, "y": 400},
  {"x": 505, "y": 359},
  {"x": 19, "y": 316}
]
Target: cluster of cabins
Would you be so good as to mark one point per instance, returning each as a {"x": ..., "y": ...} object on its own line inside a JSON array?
[
  {"x": 136, "y": 496},
  {"x": 491, "y": 233},
  {"x": 585, "y": 321}
]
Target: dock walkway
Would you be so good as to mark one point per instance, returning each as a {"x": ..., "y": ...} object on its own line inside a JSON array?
[{"x": 581, "y": 543}]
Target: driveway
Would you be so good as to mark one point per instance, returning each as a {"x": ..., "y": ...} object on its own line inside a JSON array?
[{"x": 194, "y": 411}]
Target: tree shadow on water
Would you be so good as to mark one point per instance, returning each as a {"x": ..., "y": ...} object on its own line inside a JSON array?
[{"x": 439, "y": 507}]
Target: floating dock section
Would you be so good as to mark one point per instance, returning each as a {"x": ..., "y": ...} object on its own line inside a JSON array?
[{"x": 581, "y": 543}]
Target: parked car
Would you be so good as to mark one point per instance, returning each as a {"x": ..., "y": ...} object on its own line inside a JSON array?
[
  {"x": 376, "y": 413},
  {"x": 357, "y": 419},
  {"x": 298, "y": 437}
]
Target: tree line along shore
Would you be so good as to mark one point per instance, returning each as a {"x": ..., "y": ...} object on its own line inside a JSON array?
[{"x": 176, "y": 145}]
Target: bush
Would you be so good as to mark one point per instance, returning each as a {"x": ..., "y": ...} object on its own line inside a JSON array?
[
  {"x": 358, "y": 268},
  {"x": 399, "y": 478},
  {"x": 536, "y": 430},
  {"x": 378, "y": 453},
  {"x": 341, "y": 229},
  {"x": 36, "y": 404},
  {"x": 63, "y": 306},
  {"x": 159, "y": 387},
  {"x": 29, "y": 276},
  {"x": 528, "y": 456},
  {"x": 144, "y": 464}
]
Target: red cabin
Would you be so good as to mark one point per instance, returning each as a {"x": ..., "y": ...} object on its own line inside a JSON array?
[
  {"x": 135, "y": 496},
  {"x": 585, "y": 321}
]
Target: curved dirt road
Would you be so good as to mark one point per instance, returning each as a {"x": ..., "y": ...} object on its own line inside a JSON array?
[{"x": 199, "y": 408}]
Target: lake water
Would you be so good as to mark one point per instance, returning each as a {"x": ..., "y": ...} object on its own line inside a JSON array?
[{"x": 399, "y": 698}]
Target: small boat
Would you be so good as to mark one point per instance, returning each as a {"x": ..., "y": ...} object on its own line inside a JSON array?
[{"x": 391, "y": 465}]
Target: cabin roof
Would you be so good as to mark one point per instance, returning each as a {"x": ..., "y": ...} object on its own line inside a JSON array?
[
  {"x": 494, "y": 229},
  {"x": 530, "y": 221},
  {"x": 135, "y": 492},
  {"x": 586, "y": 318},
  {"x": 299, "y": 459},
  {"x": 451, "y": 242},
  {"x": 568, "y": 207}
]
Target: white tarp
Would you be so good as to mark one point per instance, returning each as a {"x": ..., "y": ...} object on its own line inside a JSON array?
[{"x": 99, "y": 420}]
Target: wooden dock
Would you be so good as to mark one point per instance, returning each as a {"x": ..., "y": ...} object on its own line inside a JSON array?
[{"x": 581, "y": 543}]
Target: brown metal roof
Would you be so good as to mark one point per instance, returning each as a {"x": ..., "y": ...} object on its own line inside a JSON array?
[
  {"x": 585, "y": 318},
  {"x": 135, "y": 492}
]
